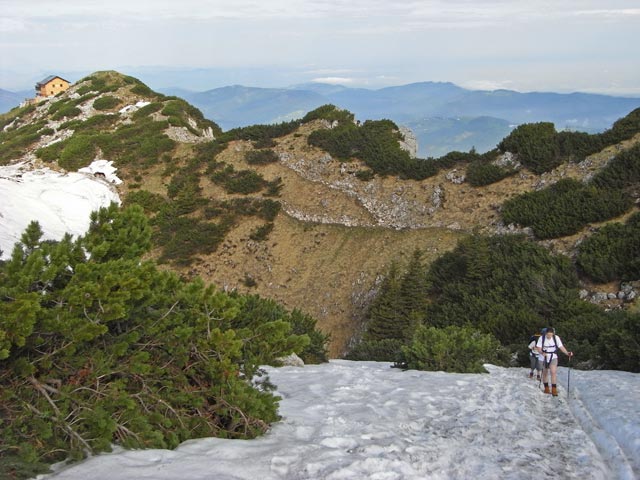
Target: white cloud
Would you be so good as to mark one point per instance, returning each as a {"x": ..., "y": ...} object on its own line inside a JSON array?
[
  {"x": 8, "y": 25},
  {"x": 330, "y": 71},
  {"x": 488, "y": 84},
  {"x": 335, "y": 80},
  {"x": 610, "y": 13},
  {"x": 452, "y": 12}
]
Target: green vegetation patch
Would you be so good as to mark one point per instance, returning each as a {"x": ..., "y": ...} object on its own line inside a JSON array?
[
  {"x": 106, "y": 349},
  {"x": 568, "y": 206},
  {"x": 261, "y": 233},
  {"x": 540, "y": 148},
  {"x": 451, "y": 349},
  {"x": 77, "y": 152},
  {"x": 536, "y": 146},
  {"x": 243, "y": 181},
  {"x": 150, "y": 202},
  {"x": 330, "y": 113},
  {"x": 265, "y": 209},
  {"x": 66, "y": 111},
  {"x": 500, "y": 288},
  {"x": 261, "y": 157},
  {"x": 613, "y": 252},
  {"x": 142, "y": 143},
  {"x": 147, "y": 110},
  {"x": 13, "y": 143},
  {"x": 261, "y": 135},
  {"x": 481, "y": 173},
  {"x": 107, "y": 102},
  {"x": 622, "y": 172},
  {"x": 375, "y": 143},
  {"x": 94, "y": 124},
  {"x": 182, "y": 238},
  {"x": 143, "y": 90},
  {"x": 15, "y": 114},
  {"x": 564, "y": 208},
  {"x": 139, "y": 143},
  {"x": 179, "y": 113}
]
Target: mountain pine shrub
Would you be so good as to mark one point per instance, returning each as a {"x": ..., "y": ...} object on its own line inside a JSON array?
[
  {"x": 105, "y": 348},
  {"x": 564, "y": 208},
  {"x": 613, "y": 252},
  {"x": 261, "y": 157},
  {"x": 535, "y": 144},
  {"x": 330, "y": 113},
  {"x": 452, "y": 349},
  {"x": 481, "y": 173},
  {"x": 107, "y": 102}
]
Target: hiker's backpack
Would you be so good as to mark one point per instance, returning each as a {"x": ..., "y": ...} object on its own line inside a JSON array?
[
  {"x": 533, "y": 338},
  {"x": 544, "y": 337}
]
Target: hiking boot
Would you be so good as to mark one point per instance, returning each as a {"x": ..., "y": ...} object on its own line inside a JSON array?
[
  {"x": 531, "y": 375},
  {"x": 554, "y": 391},
  {"x": 546, "y": 389}
]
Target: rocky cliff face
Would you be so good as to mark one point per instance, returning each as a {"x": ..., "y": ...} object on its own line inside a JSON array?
[{"x": 410, "y": 143}]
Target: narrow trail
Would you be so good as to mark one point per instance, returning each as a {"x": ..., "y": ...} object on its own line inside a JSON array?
[{"x": 602, "y": 435}]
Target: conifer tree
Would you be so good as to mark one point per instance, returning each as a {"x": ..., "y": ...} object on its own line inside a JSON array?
[
  {"x": 413, "y": 296},
  {"x": 385, "y": 319},
  {"x": 99, "y": 347},
  {"x": 118, "y": 234}
]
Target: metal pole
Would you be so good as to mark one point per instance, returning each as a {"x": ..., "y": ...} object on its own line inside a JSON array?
[{"x": 569, "y": 378}]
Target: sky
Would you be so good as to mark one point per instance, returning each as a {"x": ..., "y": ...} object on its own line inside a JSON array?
[
  {"x": 546, "y": 45},
  {"x": 347, "y": 420}
]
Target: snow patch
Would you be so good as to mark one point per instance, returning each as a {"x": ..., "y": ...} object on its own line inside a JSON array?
[
  {"x": 133, "y": 108},
  {"x": 364, "y": 420},
  {"x": 104, "y": 169},
  {"x": 60, "y": 202}
]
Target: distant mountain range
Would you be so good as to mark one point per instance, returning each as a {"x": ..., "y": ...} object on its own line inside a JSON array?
[
  {"x": 8, "y": 99},
  {"x": 443, "y": 116}
]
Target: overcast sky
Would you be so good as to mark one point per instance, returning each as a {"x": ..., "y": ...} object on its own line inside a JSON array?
[{"x": 526, "y": 45}]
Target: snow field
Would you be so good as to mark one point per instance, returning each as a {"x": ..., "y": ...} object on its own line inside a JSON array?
[{"x": 364, "y": 420}]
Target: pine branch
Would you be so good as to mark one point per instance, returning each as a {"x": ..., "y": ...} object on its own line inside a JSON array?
[{"x": 39, "y": 387}]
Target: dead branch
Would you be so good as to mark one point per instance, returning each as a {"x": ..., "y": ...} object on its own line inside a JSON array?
[{"x": 39, "y": 387}]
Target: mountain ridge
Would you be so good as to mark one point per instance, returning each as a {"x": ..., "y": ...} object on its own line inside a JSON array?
[
  {"x": 327, "y": 216},
  {"x": 413, "y": 103}
]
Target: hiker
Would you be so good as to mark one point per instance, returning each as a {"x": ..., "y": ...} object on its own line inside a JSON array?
[
  {"x": 548, "y": 345},
  {"x": 535, "y": 358}
]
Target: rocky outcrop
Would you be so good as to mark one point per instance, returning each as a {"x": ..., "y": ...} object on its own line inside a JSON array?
[
  {"x": 292, "y": 360},
  {"x": 388, "y": 203},
  {"x": 507, "y": 160},
  {"x": 627, "y": 292},
  {"x": 410, "y": 142}
]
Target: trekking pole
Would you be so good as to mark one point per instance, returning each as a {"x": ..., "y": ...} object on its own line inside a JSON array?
[
  {"x": 569, "y": 378},
  {"x": 540, "y": 379}
]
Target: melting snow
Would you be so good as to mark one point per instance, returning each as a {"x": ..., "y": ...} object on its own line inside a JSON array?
[
  {"x": 60, "y": 202},
  {"x": 364, "y": 420}
]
